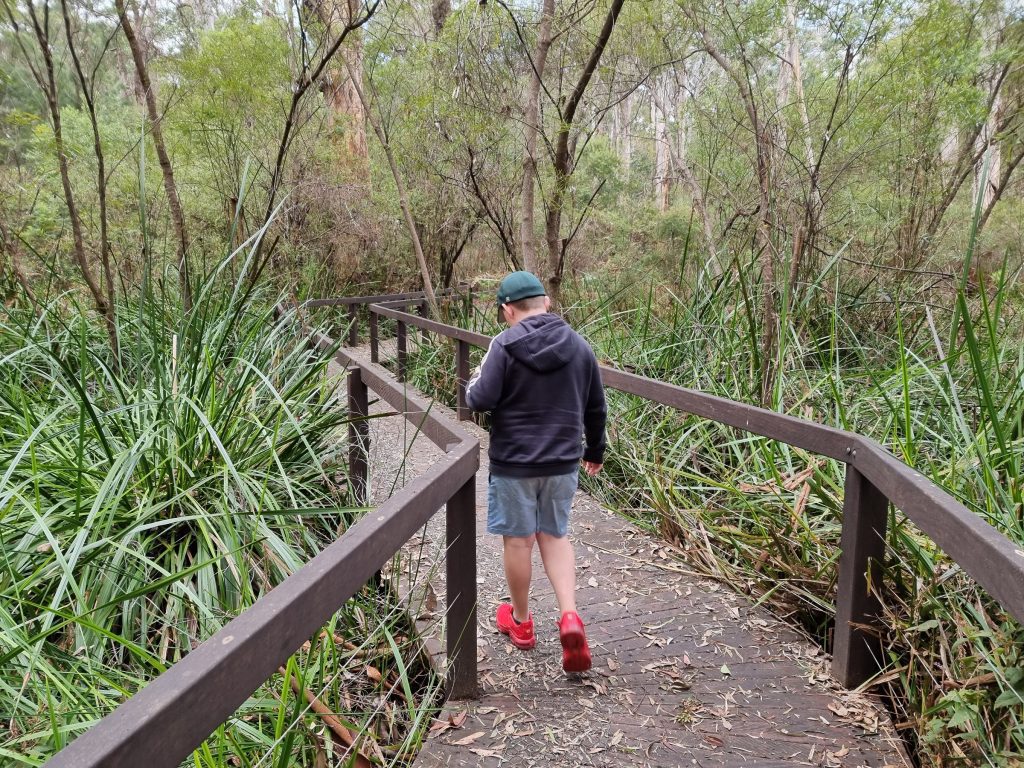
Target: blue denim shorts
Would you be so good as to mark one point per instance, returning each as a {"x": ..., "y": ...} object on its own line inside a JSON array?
[{"x": 523, "y": 506}]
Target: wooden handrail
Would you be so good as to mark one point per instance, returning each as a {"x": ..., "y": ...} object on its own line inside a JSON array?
[
  {"x": 163, "y": 723},
  {"x": 354, "y": 303},
  {"x": 875, "y": 478}
]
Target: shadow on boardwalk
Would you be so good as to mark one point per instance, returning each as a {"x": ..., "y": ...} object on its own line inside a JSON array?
[{"x": 685, "y": 671}]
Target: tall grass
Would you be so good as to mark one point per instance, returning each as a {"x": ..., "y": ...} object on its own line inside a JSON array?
[{"x": 146, "y": 500}]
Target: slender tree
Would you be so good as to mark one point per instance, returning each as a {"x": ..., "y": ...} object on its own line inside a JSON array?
[
  {"x": 87, "y": 84},
  {"x": 45, "y": 76},
  {"x": 562, "y": 157},
  {"x": 163, "y": 158},
  {"x": 532, "y": 128},
  {"x": 403, "y": 197}
]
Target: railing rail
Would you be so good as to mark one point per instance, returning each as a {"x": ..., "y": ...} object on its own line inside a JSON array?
[
  {"x": 165, "y": 721},
  {"x": 874, "y": 479},
  {"x": 354, "y": 303}
]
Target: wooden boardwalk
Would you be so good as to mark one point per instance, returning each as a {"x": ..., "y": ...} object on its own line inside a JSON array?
[{"x": 685, "y": 671}]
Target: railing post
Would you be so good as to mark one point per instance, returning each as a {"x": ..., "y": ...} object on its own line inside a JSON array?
[
  {"x": 358, "y": 435},
  {"x": 374, "y": 340},
  {"x": 423, "y": 310},
  {"x": 856, "y": 651},
  {"x": 353, "y": 325},
  {"x": 402, "y": 354},
  {"x": 462, "y": 373},
  {"x": 460, "y": 584}
]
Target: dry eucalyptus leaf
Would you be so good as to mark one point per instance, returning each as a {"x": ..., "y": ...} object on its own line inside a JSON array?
[
  {"x": 839, "y": 710},
  {"x": 465, "y": 740},
  {"x": 484, "y": 752}
]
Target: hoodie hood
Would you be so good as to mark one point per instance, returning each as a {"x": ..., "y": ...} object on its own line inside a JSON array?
[{"x": 542, "y": 342}]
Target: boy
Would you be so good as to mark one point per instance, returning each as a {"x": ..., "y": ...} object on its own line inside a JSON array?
[{"x": 541, "y": 382}]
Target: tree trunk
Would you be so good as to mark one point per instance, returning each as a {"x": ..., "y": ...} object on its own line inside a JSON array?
[
  {"x": 171, "y": 190},
  {"x": 403, "y": 198},
  {"x": 804, "y": 218},
  {"x": 562, "y": 159},
  {"x": 532, "y": 127},
  {"x": 440, "y": 10},
  {"x": 88, "y": 92},
  {"x": 793, "y": 65},
  {"x": 766, "y": 252},
  {"x": 662, "y": 141},
  {"x": 624, "y": 133},
  {"x": 989, "y": 148},
  {"x": 47, "y": 82},
  {"x": 346, "y": 114}
]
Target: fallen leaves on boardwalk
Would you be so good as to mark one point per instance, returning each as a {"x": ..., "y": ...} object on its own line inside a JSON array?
[{"x": 686, "y": 672}]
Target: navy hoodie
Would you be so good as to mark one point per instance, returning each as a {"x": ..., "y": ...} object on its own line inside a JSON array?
[{"x": 541, "y": 382}]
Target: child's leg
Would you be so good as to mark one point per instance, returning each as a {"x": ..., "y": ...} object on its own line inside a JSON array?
[
  {"x": 560, "y": 566},
  {"x": 518, "y": 558}
]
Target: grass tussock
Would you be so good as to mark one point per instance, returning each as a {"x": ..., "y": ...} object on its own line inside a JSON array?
[{"x": 148, "y": 497}]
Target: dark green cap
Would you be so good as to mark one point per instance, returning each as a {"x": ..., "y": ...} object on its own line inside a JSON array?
[{"x": 519, "y": 285}]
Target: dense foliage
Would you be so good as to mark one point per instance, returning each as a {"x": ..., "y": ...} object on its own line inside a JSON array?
[{"x": 823, "y": 197}]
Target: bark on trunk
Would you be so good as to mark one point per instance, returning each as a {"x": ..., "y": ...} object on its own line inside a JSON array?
[
  {"x": 990, "y": 149},
  {"x": 532, "y": 127},
  {"x": 562, "y": 160},
  {"x": 624, "y": 133},
  {"x": 791, "y": 88},
  {"x": 346, "y": 114},
  {"x": 440, "y": 10},
  {"x": 662, "y": 141},
  {"x": 167, "y": 171},
  {"x": 796, "y": 84}
]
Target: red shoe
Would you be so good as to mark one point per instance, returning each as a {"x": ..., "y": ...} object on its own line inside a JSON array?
[
  {"x": 575, "y": 651},
  {"x": 520, "y": 633}
]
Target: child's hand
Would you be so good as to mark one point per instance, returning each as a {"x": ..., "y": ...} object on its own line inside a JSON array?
[{"x": 591, "y": 467}]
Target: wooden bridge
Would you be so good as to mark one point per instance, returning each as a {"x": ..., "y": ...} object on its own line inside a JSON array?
[{"x": 686, "y": 673}]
